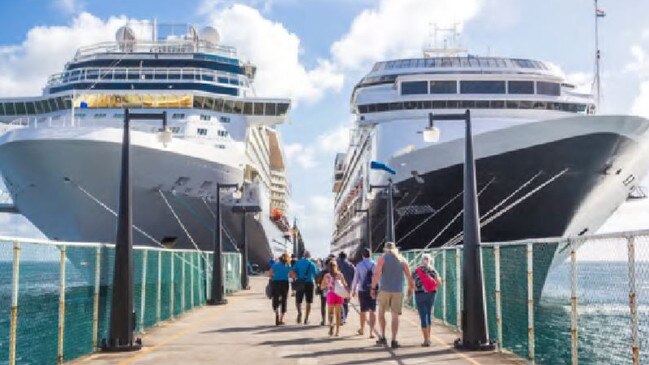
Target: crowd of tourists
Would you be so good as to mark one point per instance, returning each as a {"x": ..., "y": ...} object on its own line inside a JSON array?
[{"x": 377, "y": 285}]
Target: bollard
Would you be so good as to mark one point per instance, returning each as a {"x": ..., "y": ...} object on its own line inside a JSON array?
[
  {"x": 574, "y": 339},
  {"x": 530, "y": 302},
  {"x": 145, "y": 254},
  {"x": 14, "y": 303},
  {"x": 499, "y": 314},
  {"x": 633, "y": 304},
  {"x": 159, "y": 288},
  {"x": 458, "y": 289},
  {"x": 95, "y": 299},
  {"x": 172, "y": 286},
  {"x": 444, "y": 286},
  {"x": 59, "y": 356}
]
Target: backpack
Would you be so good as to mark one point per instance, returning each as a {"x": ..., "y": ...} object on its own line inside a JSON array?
[{"x": 366, "y": 285}]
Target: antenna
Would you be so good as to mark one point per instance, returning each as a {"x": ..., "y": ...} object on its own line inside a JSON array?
[
  {"x": 451, "y": 36},
  {"x": 599, "y": 13}
]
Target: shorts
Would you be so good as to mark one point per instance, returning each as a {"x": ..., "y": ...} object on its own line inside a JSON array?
[
  {"x": 305, "y": 292},
  {"x": 368, "y": 304},
  {"x": 389, "y": 301},
  {"x": 334, "y": 299}
]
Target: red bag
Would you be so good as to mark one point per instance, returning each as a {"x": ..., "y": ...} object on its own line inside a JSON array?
[{"x": 429, "y": 284}]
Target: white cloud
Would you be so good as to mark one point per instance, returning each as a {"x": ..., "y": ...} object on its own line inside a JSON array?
[
  {"x": 335, "y": 140},
  {"x": 276, "y": 53},
  {"x": 315, "y": 219},
  {"x": 298, "y": 155},
  {"x": 68, "y": 6},
  {"x": 24, "y": 68},
  {"x": 397, "y": 29},
  {"x": 639, "y": 68}
]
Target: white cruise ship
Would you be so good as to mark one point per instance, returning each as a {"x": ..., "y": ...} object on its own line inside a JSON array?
[
  {"x": 60, "y": 156},
  {"x": 547, "y": 164}
]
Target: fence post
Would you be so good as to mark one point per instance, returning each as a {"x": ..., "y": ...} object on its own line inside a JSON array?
[
  {"x": 95, "y": 299},
  {"x": 159, "y": 288},
  {"x": 458, "y": 289},
  {"x": 172, "y": 285},
  {"x": 145, "y": 255},
  {"x": 182, "y": 284},
  {"x": 444, "y": 286},
  {"x": 499, "y": 309},
  {"x": 59, "y": 356},
  {"x": 633, "y": 304},
  {"x": 14, "y": 303},
  {"x": 574, "y": 339},
  {"x": 191, "y": 280},
  {"x": 530, "y": 302}
]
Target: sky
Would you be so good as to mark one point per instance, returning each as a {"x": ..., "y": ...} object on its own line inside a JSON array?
[{"x": 315, "y": 51}]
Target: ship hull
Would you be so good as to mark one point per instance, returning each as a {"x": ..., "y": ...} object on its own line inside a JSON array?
[
  {"x": 588, "y": 172},
  {"x": 67, "y": 186}
]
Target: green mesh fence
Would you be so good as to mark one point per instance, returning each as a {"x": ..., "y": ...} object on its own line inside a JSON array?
[{"x": 83, "y": 274}]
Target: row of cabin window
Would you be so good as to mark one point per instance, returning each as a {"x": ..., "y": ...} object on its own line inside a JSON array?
[
  {"x": 204, "y": 117},
  {"x": 140, "y": 74},
  {"x": 481, "y": 87},
  {"x": 203, "y": 132},
  {"x": 475, "y": 104},
  {"x": 219, "y": 105},
  {"x": 484, "y": 62},
  {"x": 241, "y": 107},
  {"x": 35, "y": 107}
]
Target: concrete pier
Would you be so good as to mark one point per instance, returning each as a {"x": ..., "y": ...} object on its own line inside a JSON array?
[{"x": 243, "y": 332}]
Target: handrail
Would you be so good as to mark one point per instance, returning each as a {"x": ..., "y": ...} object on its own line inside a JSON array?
[
  {"x": 107, "y": 74},
  {"x": 167, "y": 46}
]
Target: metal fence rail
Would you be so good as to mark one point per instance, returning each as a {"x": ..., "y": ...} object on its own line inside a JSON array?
[
  {"x": 55, "y": 296},
  {"x": 558, "y": 301}
]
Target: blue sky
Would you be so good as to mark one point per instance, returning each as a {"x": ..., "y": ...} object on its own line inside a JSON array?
[{"x": 314, "y": 51}]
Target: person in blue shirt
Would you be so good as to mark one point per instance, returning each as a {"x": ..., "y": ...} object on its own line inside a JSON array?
[
  {"x": 279, "y": 274},
  {"x": 304, "y": 272}
]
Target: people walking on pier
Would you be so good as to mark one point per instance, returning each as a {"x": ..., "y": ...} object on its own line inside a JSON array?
[
  {"x": 387, "y": 281},
  {"x": 279, "y": 274},
  {"x": 361, "y": 286},
  {"x": 304, "y": 271},
  {"x": 337, "y": 290},
  {"x": 348, "y": 271},
  {"x": 426, "y": 281}
]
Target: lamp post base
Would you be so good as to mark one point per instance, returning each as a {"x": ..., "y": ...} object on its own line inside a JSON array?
[
  {"x": 217, "y": 302},
  {"x": 112, "y": 346},
  {"x": 459, "y": 344}
]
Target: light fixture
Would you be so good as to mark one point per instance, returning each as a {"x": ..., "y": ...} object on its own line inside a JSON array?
[
  {"x": 165, "y": 136},
  {"x": 431, "y": 133}
]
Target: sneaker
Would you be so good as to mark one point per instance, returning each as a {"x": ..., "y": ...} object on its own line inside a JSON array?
[
  {"x": 299, "y": 318},
  {"x": 306, "y": 320},
  {"x": 426, "y": 344},
  {"x": 322, "y": 323},
  {"x": 381, "y": 341},
  {"x": 394, "y": 344},
  {"x": 276, "y": 319}
]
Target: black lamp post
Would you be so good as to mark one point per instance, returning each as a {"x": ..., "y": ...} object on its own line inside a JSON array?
[
  {"x": 246, "y": 205},
  {"x": 368, "y": 232},
  {"x": 218, "y": 286},
  {"x": 296, "y": 251},
  {"x": 122, "y": 317},
  {"x": 475, "y": 334}
]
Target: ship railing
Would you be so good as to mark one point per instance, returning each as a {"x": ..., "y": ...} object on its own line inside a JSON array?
[
  {"x": 167, "y": 47},
  {"x": 67, "y": 121},
  {"x": 557, "y": 300},
  {"x": 146, "y": 75},
  {"x": 56, "y": 296}
]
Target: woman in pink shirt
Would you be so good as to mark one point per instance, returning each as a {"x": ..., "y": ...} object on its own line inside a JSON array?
[{"x": 334, "y": 301}]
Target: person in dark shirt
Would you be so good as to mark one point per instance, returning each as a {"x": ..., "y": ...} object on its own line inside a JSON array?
[{"x": 348, "y": 271}]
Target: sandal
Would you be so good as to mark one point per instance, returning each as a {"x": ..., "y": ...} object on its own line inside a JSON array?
[
  {"x": 360, "y": 333},
  {"x": 331, "y": 330}
]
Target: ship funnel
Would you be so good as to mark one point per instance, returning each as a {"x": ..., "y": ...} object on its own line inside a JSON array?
[{"x": 125, "y": 37}]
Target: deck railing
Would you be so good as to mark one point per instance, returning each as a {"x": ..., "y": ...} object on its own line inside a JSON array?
[
  {"x": 593, "y": 308},
  {"x": 55, "y": 297}
]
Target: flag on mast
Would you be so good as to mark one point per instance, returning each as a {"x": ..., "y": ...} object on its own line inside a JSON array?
[{"x": 600, "y": 13}]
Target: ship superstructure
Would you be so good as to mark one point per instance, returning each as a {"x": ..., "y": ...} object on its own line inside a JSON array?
[
  {"x": 60, "y": 155},
  {"x": 547, "y": 164}
]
